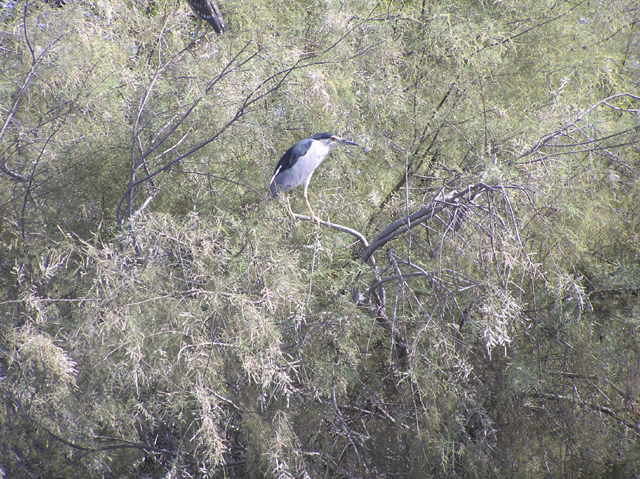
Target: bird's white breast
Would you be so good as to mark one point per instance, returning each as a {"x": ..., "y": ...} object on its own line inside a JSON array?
[{"x": 317, "y": 153}]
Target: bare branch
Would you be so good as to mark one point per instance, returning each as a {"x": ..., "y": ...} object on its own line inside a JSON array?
[
  {"x": 591, "y": 405},
  {"x": 547, "y": 138},
  {"x": 13, "y": 174},
  {"x": 428, "y": 211},
  {"x": 359, "y": 236}
]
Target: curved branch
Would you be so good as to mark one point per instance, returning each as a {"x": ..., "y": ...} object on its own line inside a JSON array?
[
  {"x": 439, "y": 203},
  {"x": 545, "y": 139},
  {"x": 356, "y": 234}
]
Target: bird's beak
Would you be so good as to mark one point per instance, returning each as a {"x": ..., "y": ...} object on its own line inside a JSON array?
[{"x": 347, "y": 142}]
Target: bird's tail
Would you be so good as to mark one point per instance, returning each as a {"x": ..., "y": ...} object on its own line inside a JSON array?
[
  {"x": 273, "y": 190},
  {"x": 216, "y": 23}
]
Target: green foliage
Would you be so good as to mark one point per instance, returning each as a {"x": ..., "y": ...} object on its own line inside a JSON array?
[{"x": 159, "y": 317}]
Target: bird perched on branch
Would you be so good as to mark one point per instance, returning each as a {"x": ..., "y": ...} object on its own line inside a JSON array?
[
  {"x": 207, "y": 10},
  {"x": 298, "y": 164}
]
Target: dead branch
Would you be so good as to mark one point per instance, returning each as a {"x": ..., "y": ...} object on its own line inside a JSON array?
[{"x": 430, "y": 210}]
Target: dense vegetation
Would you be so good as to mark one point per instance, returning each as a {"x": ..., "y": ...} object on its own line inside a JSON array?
[{"x": 469, "y": 308}]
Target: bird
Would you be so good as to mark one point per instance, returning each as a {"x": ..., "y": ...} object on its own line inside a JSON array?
[
  {"x": 207, "y": 10},
  {"x": 298, "y": 164}
]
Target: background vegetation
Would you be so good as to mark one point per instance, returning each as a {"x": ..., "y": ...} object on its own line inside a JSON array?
[{"x": 468, "y": 309}]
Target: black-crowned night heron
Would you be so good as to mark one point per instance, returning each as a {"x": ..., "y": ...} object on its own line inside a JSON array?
[
  {"x": 299, "y": 162},
  {"x": 207, "y": 10}
]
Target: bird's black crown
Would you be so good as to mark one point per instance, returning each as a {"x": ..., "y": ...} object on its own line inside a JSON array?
[{"x": 322, "y": 136}]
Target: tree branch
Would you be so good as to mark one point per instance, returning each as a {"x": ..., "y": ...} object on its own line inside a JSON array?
[
  {"x": 545, "y": 139},
  {"x": 403, "y": 225}
]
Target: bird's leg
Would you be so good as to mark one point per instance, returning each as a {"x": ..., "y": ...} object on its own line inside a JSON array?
[
  {"x": 206, "y": 29},
  {"x": 313, "y": 215},
  {"x": 195, "y": 35},
  {"x": 289, "y": 210}
]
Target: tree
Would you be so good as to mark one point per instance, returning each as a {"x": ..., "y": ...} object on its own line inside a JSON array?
[{"x": 466, "y": 308}]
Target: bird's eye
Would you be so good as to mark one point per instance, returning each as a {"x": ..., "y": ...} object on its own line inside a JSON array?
[{"x": 333, "y": 138}]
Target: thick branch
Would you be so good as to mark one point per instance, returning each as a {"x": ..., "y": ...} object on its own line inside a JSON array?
[{"x": 428, "y": 211}]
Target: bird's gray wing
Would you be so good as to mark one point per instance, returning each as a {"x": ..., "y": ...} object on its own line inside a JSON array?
[{"x": 288, "y": 160}]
